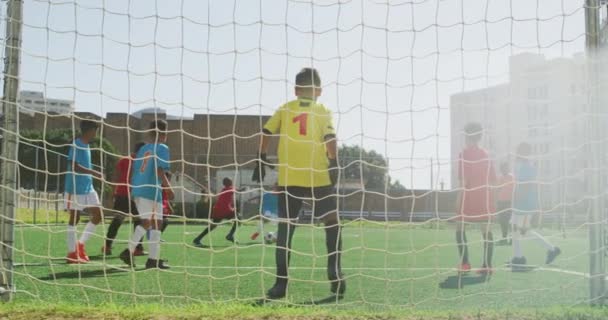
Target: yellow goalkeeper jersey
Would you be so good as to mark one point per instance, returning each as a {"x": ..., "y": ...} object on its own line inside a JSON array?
[{"x": 302, "y": 126}]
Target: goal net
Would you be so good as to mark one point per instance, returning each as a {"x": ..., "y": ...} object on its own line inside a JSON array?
[{"x": 469, "y": 135}]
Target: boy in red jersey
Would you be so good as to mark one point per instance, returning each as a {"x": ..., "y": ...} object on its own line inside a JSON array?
[
  {"x": 476, "y": 199},
  {"x": 123, "y": 203},
  {"x": 222, "y": 209}
]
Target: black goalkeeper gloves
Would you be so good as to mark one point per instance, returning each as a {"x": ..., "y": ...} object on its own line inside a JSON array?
[
  {"x": 334, "y": 171},
  {"x": 259, "y": 172}
]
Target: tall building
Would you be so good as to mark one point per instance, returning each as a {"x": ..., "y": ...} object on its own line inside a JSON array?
[
  {"x": 544, "y": 104},
  {"x": 31, "y": 102}
]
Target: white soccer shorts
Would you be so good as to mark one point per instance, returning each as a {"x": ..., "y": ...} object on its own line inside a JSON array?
[
  {"x": 80, "y": 202},
  {"x": 148, "y": 209},
  {"x": 521, "y": 221}
]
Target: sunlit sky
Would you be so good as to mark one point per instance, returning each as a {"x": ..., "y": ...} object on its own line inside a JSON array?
[{"x": 388, "y": 70}]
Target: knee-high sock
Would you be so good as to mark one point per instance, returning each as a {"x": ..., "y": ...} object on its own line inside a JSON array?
[
  {"x": 89, "y": 229},
  {"x": 488, "y": 249},
  {"x": 283, "y": 250},
  {"x": 517, "y": 253},
  {"x": 542, "y": 240},
  {"x": 463, "y": 250},
  {"x": 504, "y": 224},
  {"x": 113, "y": 230},
  {"x": 233, "y": 229},
  {"x": 154, "y": 245},
  {"x": 205, "y": 232},
  {"x": 136, "y": 237},
  {"x": 71, "y": 238},
  {"x": 333, "y": 241},
  {"x": 164, "y": 225}
]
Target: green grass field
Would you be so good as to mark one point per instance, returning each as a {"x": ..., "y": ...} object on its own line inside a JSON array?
[{"x": 388, "y": 267}]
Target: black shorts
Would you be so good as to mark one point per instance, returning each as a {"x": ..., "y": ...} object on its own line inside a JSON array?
[
  {"x": 122, "y": 204},
  {"x": 322, "y": 199}
]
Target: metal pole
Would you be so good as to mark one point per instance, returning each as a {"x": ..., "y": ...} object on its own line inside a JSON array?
[
  {"x": 596, "y": 257},
  {"x": 57, "y": 189},
  {"x": 11, "y": 140},
  {"x": 35, "y": 185}
]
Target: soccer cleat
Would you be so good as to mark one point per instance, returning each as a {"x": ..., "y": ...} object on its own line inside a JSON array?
[
  {"x": 503, "y": 242},
  {"x": 485, "y": 271},
  {"x": 255, "y": 235},
  {"x": 197, "y": 244},
  {"x": 139, "y": 251},
  {"x": 230, "y": 238},
  {"x": 518, "y": 264},
  {"x": 156, "y": 264},
  {"x": 82, "y": 254},
  {"x": 551, "y": 255},
  {"x": 73, "y": 258},
  {"x": 464, "y": 267},
  {"x": 276, "y": 292},
  {"x": 106, "y": 250},
  {"x": 338, "y": 285},
  {"x": 127, "y": 258}
]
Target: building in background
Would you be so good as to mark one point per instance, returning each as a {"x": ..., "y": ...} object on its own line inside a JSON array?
[
  {"x": 544, "y": 103},
  {"x": 31, "y": 102}
]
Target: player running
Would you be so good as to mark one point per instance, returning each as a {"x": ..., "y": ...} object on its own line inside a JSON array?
[
  {"x": 148, "y": 183},
  {"x": 307, "y": 170},
  {"x": 123, "y": 204},
  {"x": 79, "y": 194},
  {"x": 223, "y": 209},
  {"x": 476, "y": 178},
  {"x": 525, "y": 205}
]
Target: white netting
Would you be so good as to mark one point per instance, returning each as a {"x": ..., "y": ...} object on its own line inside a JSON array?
[{"x": 402, "y": 79}]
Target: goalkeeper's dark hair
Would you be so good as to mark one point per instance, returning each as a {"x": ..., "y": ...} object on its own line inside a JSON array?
[
  {"x": 87, "y": 125},
  {"x": 138, "y": 146},
  {"x": 308, "y": 78},
  {"x": 227, "y": 182}
]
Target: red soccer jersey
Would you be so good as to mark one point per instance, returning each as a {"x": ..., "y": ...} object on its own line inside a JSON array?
[
  {"x": 166, "y": 208},
  {"x": 123, "y": 168},
  {"x": 477, "y": 175},
  {"x": 224, "y": 206}
]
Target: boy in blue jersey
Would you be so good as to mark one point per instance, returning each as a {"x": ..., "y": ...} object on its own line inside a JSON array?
[
  {"x": 270, "y": 208},
  {"x": 79, "y": 193},
  {"x": 147, "y": 185},
  {"x": 525, "y": 205}
]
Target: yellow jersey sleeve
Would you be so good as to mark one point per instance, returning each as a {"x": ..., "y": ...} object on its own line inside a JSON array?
[
  {"x": 273, "y": 125},
  {"x": 327, "y": 128}
]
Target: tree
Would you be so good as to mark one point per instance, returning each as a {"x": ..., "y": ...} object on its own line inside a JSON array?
[
  {"x": 52, "y": 149},
  {"x": 369, "y": 167}
]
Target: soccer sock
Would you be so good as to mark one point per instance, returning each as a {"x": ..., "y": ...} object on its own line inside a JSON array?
[
  {"x": 136, "y": 237},
  {"x": 140, "y": 245},
  {"x": 113, "y": 231},
  {"x": 164, "y": 225},
  {"x": 333, "y": 241},
  {"x": 542, "y": 240},
  {"x": 71, "y": 238},
  {"x": 516, "y": 244},
  {"x": 89, "y": 229},
  {"x": 504, "y": 225},
  {"x": 463, "y": 250},
  {"x": 233, "y": 229},
  {"x": 204, "y": 233},
  {"x": 488, "y": 249},
  {"x": 283, "y": 250},
  {"x": 154, "y": 246}
]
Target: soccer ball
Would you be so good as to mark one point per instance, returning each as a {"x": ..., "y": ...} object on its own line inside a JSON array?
[{"x": 270, "y": 237}]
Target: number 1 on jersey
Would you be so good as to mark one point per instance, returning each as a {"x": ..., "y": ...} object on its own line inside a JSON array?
[{"x": 303, "y": 120}]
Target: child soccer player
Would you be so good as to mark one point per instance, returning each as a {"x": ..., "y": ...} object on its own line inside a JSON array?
[
  {"x": 476, "y": 200},
  {"x": 525, "y": 205},
  {"x": 167, "y": 208},
  {"x": 148, "y": 182},
  {"x": 223, "y": 209},
  {"x": 505, "y": 195},
  {"x": 79, "y": 193},
  {"x": 123, "y": 202},
  {"x": 307, "y": 170},
  {"x": 270, "y": 203}
]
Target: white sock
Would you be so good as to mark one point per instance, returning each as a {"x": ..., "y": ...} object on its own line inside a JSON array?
[
  {"x": 542, "y": 240},
  {"x": 89, "y": 229},
  {"x": 154, "y": 246},
  {"x": 516, "y": 240},
  {"x": 71, "y": 238},
  {"x": 136, "y": 237}
]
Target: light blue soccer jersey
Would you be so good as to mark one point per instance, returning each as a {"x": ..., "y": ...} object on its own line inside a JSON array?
[
  {"x": 78, "y": 183},
  {"x": 270, "y": 203},
  {"x": 525, "y": 196},
  {"x": 145, "y": 182}
]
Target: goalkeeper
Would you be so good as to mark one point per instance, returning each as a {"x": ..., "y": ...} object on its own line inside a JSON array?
[{"x": 307, "y": 170}]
